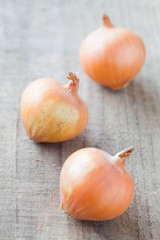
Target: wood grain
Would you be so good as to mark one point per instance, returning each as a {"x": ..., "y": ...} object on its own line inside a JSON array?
[{"x": 42, "y": 39}]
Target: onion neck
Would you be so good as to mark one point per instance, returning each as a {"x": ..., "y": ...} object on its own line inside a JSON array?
[
  {"x": 107, "y": 22},
  {"x": 73, "y": 84},
  {"x": 120, "y": 158},
  {"x": 62, "y": 207}
]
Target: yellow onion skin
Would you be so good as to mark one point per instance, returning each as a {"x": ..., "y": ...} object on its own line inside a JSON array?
[
  {"x": 95, "y": 185},
  {"x": 112, "y": 56},
  {"x": 52, "y": 111}
]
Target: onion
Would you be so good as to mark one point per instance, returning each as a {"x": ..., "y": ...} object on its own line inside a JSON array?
[
  {"x": 52, "y": 111},
  {"x": 112, "y": 56},
  {"x": 95, "y": 185}
]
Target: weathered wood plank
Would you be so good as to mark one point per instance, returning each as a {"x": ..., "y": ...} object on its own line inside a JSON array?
[{"x": 42, "y": 39}]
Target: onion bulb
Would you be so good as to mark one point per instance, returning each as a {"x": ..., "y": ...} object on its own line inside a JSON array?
[
  {"x": 95, "y": 185},
  {"x": 112, "y": 56},
  {"x": 52, "y": 111}
]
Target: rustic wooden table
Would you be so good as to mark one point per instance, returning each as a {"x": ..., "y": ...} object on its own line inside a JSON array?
[{"x": 42, "y": 39}]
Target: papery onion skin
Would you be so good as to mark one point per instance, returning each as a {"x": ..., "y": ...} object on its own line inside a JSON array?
[
  {"x": 52, "y": 111},
  {"x": 112, "y": 56},
  {"x": 95, "y": 186}
]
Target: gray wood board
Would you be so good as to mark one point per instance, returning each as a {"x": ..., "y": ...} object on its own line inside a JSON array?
[{"x": 42, "y": 39}]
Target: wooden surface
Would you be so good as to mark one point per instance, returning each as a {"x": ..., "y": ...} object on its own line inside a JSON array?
[{"x": 42, "y": 39}]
